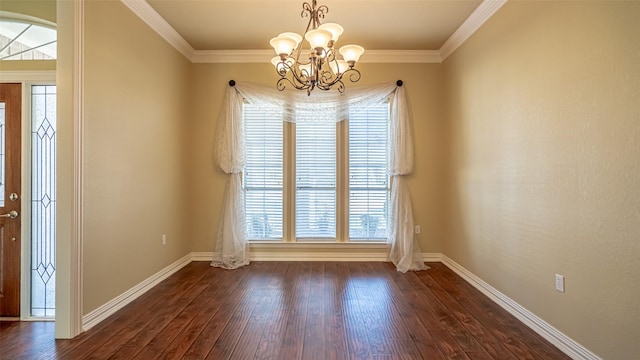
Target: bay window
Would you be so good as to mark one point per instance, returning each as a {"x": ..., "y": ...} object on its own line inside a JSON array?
[{"x": 334, "y": 175}]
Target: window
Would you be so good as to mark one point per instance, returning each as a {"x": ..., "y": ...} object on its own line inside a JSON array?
[
  {"x": 24, "y": 40},
  {"x": 322, "y": 181},
  {"x": 315, "y": 180},
  {"x": 368, "y": 175},
  {"x": 262, "y": 178}
]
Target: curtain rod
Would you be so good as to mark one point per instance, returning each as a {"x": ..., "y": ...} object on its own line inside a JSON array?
[{"x": 233, "y": 83}]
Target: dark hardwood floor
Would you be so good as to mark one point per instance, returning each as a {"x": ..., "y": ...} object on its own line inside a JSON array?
[{"x": 295, "y": 310}]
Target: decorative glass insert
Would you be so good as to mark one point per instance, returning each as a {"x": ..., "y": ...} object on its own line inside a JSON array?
[
  {"x": 43, "y": 200},
  {"x": 2, "y": 151},
  {"x": 21, "y": 40}
]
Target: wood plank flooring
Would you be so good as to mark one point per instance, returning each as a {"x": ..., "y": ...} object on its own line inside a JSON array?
[{"x": 295, "y": 310}]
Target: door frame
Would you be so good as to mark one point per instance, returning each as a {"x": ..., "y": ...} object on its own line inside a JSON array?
[
  {"x": 69, "y": 172},
  {"x": 26, "y": 79}
]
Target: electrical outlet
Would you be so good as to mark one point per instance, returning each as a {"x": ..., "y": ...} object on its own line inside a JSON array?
[
  {"x": 164, "y": 239},
  {"x": 417, "y": 229},
  {"x": 559, "y": 282}
]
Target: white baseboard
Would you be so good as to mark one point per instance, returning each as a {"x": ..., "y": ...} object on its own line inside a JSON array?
[
  {"x": 201, "y": 256},
  {"x": 432, "y": 257},
  {"x": 544, "y": 329},
  {"x": 96, "y": 316}
]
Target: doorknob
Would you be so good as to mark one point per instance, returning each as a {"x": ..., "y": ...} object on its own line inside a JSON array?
[{"x": 11, "y": 215}]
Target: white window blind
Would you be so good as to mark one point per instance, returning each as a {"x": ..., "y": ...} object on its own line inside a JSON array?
[
  {"x": 368, "y": 176},
  {"x": 262, "y": 178},
  {"x": 315, "y": 190},
  {"x": 315, "y": 180}
]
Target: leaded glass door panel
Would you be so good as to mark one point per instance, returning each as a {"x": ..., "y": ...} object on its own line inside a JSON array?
[{"x": 43, "y": 200}]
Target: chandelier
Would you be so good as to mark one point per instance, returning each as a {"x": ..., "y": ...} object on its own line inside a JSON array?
[{"x": 318, "y": 66}]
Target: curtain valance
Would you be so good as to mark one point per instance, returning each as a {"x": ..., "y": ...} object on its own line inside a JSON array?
[{"x": 319, "y": 106}]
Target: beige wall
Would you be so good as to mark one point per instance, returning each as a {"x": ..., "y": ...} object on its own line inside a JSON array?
[
  {"x": 136, "y": 103},
  {"x": 543, "y": 103},
  {"x": 423, "y": 85},
  {"x": 42, "y": 9},
  {"x": 27, "y": 65}
]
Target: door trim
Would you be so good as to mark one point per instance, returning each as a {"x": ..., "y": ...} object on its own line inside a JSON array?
[
  {"x": 69, "y": 216},
  {"x": 77, "y": 209}
]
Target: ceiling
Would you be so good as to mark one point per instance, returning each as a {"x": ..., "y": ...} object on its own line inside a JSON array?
[{"x": 374, "y": 24}]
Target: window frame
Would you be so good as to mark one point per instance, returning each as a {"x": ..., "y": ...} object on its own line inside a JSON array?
[{"x": 33, "y": 40}]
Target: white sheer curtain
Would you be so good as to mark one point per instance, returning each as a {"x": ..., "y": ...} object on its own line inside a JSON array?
[
  {"x": 404, "y": 250},
  {"x": 232, "y": 249}
]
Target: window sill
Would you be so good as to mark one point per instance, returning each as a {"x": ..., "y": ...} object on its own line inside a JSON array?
[
  {"x": 318, "y": 251},
  {"x": 264, "y": 244}
]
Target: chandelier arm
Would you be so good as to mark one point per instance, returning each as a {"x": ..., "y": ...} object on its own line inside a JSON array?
[
  {"x": 329, "y": 84},
  {"x": 325, "y": 77},
  {"x": 321, "y": 11},
  {"x": 337, "y": 84},
  {"x": 302, "y": 77},
  {"x": 282, "y": 68},
  {"x": 300, "y": 81},
  {"x": 330, "y": 55},
  {"x": 307, "y": 8},
  {"x": 354, "y": 74},
  {"x": 281, "y": 85}
]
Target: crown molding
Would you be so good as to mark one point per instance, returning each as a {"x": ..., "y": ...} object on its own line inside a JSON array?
[
  {"x": 232, "y": 56},
  {"x": 482, "y": 13},
  {"x": 144, "y": 11},
  {"x": 402, "y": 56},
  {"x": 156, "y": 22},
  {"x": 264, "y": 56}
]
